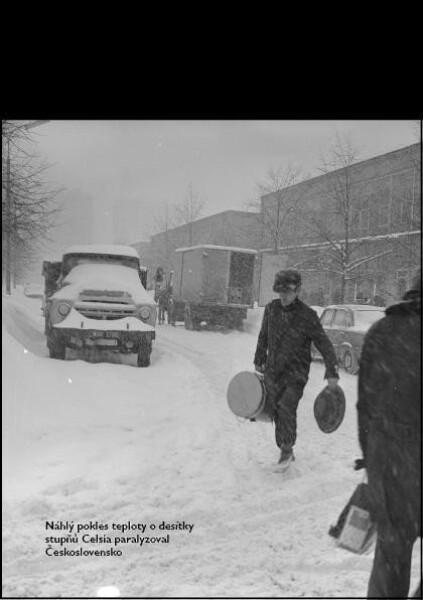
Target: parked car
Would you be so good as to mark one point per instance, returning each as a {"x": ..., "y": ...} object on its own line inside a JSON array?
[
  {"x": 346, "y": 325},
  {"x": 318, "y": 310},
  {"x": 33, "y": 290}
]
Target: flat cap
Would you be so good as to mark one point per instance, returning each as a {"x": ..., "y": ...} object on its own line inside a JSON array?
[{"x": 286, "y": 280}]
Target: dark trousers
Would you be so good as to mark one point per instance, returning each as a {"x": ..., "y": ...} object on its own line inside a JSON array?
[
  {"x": 390, "y": 576},
  {"x": 284, "y": 399},
  {"x": 394, "y": 473}
]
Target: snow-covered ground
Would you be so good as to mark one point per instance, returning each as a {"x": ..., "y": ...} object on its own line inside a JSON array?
[{"x": 107, "y": 442}]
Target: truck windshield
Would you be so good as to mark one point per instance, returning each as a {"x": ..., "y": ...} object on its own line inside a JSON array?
[{"x": 70, "y": 261}]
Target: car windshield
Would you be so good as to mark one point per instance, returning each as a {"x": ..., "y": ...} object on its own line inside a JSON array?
[{"x": 365, "y": 318}]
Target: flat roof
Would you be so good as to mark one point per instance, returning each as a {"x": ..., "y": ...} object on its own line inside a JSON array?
[
  {"x": 116, "y": 250},
  {"x": 312, "y": 180},
  {"x": 210, "y": 247}
]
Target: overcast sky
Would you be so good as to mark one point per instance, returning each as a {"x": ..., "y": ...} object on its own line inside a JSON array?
[{"x": 137, "y": 166}]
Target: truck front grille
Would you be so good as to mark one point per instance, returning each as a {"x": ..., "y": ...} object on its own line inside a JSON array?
[{"x": 106, "y": 310}]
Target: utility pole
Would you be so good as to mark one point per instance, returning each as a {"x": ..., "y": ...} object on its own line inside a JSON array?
[{"x": 9, "y": 202}]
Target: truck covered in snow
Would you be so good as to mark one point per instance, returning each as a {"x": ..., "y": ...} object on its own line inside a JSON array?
[
  {"x": 96, "y": 297},
  {"x": 212, "y": 285}
]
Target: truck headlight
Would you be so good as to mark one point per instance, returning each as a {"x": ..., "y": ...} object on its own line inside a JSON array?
[
  {"x": 145, "y": 312},
  {"x": 57, "y": 310},
  {"x": 63, "y": 309}
]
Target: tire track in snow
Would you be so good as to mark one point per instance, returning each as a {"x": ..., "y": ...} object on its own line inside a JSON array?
[
  {"x": 241, "y": 450},
  {"x": 251, "y": 522},
  {"x": 23, "y": 328}
]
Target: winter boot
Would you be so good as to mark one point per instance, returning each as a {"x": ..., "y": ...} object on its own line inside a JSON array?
[{"x": 286, "y": 457}]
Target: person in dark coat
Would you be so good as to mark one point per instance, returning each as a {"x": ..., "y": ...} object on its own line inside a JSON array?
[
  {"x": 389, "y": 427},
  {"x": 283, "y": 354}
]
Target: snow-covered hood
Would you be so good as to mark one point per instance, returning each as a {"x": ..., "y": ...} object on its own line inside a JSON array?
[{"x": 108, "y": 278}]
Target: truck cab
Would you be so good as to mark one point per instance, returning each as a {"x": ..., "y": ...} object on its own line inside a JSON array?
[{"x": 96, "y": 297}]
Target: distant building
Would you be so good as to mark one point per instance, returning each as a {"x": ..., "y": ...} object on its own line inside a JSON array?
[
  {"x": 143, "y": 249},
  {"x": 229, "y": 228},
  {"x": 237, "y": 228},
  {"x": 383, "y": 222},
  {"x": 144, "y": 252}
]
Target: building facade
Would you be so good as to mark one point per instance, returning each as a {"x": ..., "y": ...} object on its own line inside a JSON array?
[
  {"x": 355, "y": 233},
  {"x": 229, "y": 228}
]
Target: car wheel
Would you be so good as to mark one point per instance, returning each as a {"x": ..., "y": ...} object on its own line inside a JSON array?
[{"x": 349, "y": 361}]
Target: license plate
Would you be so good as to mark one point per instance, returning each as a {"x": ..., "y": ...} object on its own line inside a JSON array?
[
  {"x": 105, "y": 342},
  {"x": 97, "y": 334},
  {"x": 101, "y": 342},
  {"x": 112, "y": 334}
]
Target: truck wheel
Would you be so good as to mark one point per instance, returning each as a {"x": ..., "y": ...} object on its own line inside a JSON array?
[
  {"x": 143, "y": 358},
  {"x": 235, "y": 323},
  {"x": 58, "y": 351},
  {"x": 188, "y": 322},
  {"x": 196, "y": 324}
]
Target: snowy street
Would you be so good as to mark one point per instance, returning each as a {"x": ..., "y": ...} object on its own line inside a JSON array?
[{"x": 111, "y": 443}]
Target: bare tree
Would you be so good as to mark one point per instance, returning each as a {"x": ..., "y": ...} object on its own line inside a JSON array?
[
  {"x": 277, "y": 201},
  {"x": 336, "y": 220},
  {"x": 189, "y": 210},
  {"x": 162, "y": 222},
  {"x": 29, "y": 207}
]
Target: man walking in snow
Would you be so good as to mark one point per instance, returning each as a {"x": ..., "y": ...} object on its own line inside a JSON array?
[
  {"x": 283, "y": 354},
  {"x": 389, "y": 421}
]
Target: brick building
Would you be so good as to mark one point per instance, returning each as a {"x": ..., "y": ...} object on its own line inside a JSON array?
[
  {"x": 356, "y": 231},
  {"x": 229, "y": 228}
]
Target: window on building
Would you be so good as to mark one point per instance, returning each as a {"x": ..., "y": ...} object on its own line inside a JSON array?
[
  {"x": 360, "y": 214},
  {"x": 364, "y": 221},
  {"x": 381, "y": 194},
  {"x": 402, "y": 201},
  {"x": 405, "y": 212},
  {"x": 383, "y": 220},
  {"x": 416, "y": 205},
  {"x": 401, "y": 283},
  {"x": 363, "y": 290}
]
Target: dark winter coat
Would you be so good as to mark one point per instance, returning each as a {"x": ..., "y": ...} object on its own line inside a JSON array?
[
  {"x": 389, "y": 416},
  {"x": 285, "y": 340}
]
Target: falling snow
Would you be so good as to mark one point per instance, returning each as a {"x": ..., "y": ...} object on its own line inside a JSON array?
[{"x": 145, "y": 445}]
